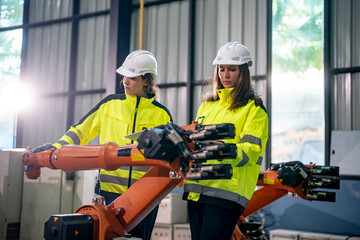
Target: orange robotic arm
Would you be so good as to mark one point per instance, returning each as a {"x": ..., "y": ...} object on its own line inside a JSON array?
[
  {"x": 175, "y": 154},
  {"x": 169, "y": 149},
  {"x": 293, "y": 178},
  {"x": 124, "y": 213}
]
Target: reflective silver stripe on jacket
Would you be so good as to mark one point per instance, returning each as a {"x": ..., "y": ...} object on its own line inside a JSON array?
[
  {"x": 245, "y": 160},
  {"x": 116, "y": 180},
  {"x": 136, "y": 168},
  {"x": 253, "y": 140},
  {"x": 74, "y": 137},
  {"x": 62, "y": 142},
  {"x": 215, "y": 192}
]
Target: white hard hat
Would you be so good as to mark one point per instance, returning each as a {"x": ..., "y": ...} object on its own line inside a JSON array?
[
  {"x": 138, "y": 63},
  {"x": 233, "y": 53}
]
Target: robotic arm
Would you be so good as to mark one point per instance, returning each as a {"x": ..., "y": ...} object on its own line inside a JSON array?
[
  {"x": 175, "y": 153},
  {"x": 292, "y": 178}
]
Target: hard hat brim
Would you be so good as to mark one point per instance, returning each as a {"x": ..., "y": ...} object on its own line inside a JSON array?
[
  {"x": 216, "y": 62},
  {"x": 126, "y": 73}
]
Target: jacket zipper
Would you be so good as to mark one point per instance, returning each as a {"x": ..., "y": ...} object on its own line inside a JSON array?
[{"x": 133, "y": 131}]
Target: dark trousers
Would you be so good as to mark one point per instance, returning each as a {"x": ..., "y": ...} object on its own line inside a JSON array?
[
  {"x": 208, "y": 222},
  {"x": 144, "y": 228}
]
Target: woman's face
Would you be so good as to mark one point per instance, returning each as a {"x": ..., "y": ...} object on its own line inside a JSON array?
[
  {"x": 135, "y": 86},
  {"x": 229, "y": 75}
]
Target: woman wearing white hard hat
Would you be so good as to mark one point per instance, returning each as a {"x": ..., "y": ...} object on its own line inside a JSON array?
[
  {"x": 118, "y": 115},
  {"x": 139, "y": 66},
  {"x": 214, "y": 206}
]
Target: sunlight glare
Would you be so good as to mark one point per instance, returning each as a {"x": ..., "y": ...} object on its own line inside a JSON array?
[{"x": 16, "y": 96}]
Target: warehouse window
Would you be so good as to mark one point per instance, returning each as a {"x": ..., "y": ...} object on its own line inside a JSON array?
[
  {"x": 11, "y": 12},
  {"x": 297, "y": 82}
]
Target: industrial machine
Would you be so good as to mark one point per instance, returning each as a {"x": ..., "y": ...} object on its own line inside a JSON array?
[
  {"x": 292, "y": 178},
  {"x": 175, "y": 153}
]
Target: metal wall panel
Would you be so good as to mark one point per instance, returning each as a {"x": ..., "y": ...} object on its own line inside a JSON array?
[
  {"x": 261, "y": 88},
  {"x": 355, "y": 104},
  {"x": 162, "y": 45},
  {"x": 45, "y": 122},
  {"x": 207, "y": 44},
  {"x": 165, "y": 33},
  {"x": 92, "y": 53},
  {"x": 45, "y": 10},
  {"x": 198, "y": 90},
  {"x": 47, "y": 71},
  {"x": 249, "y": 29},
  {"x": 236, "y": 21},
  {"x": 261, "y": 40},
  {"x": 230, "y": 20},
  {"x": 175, "y": 102},
  {"x": 342, "y": 102},
  {"x": 199, "y": 36},
  {"x": 48, "y": 57},
  {"x": 84, "y": 103},
  {"x": 183, "y": 42},
  {"x": 88, "y": 6},
  {"x": 345, "y": 47},
  {"x": 355, "y": 32},
  {"x": 218, "y": 22},
  {"x": 341, "y": 33}
]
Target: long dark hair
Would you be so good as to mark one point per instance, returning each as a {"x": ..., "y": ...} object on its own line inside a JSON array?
[{"x": 242, "y": 92}]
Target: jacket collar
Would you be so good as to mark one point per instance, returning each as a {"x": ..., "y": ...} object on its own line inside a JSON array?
[
  {"x": 142, "y": 99},
  {"x": 225, "y": 94}
]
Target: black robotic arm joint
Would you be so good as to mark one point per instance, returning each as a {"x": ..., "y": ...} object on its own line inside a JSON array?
[{"x": 154, "y": 145}]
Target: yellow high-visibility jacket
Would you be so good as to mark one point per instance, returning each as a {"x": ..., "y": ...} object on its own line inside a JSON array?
[
  {"x": 251, "y": 123},
  {"x": 111, "y": 119}
]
